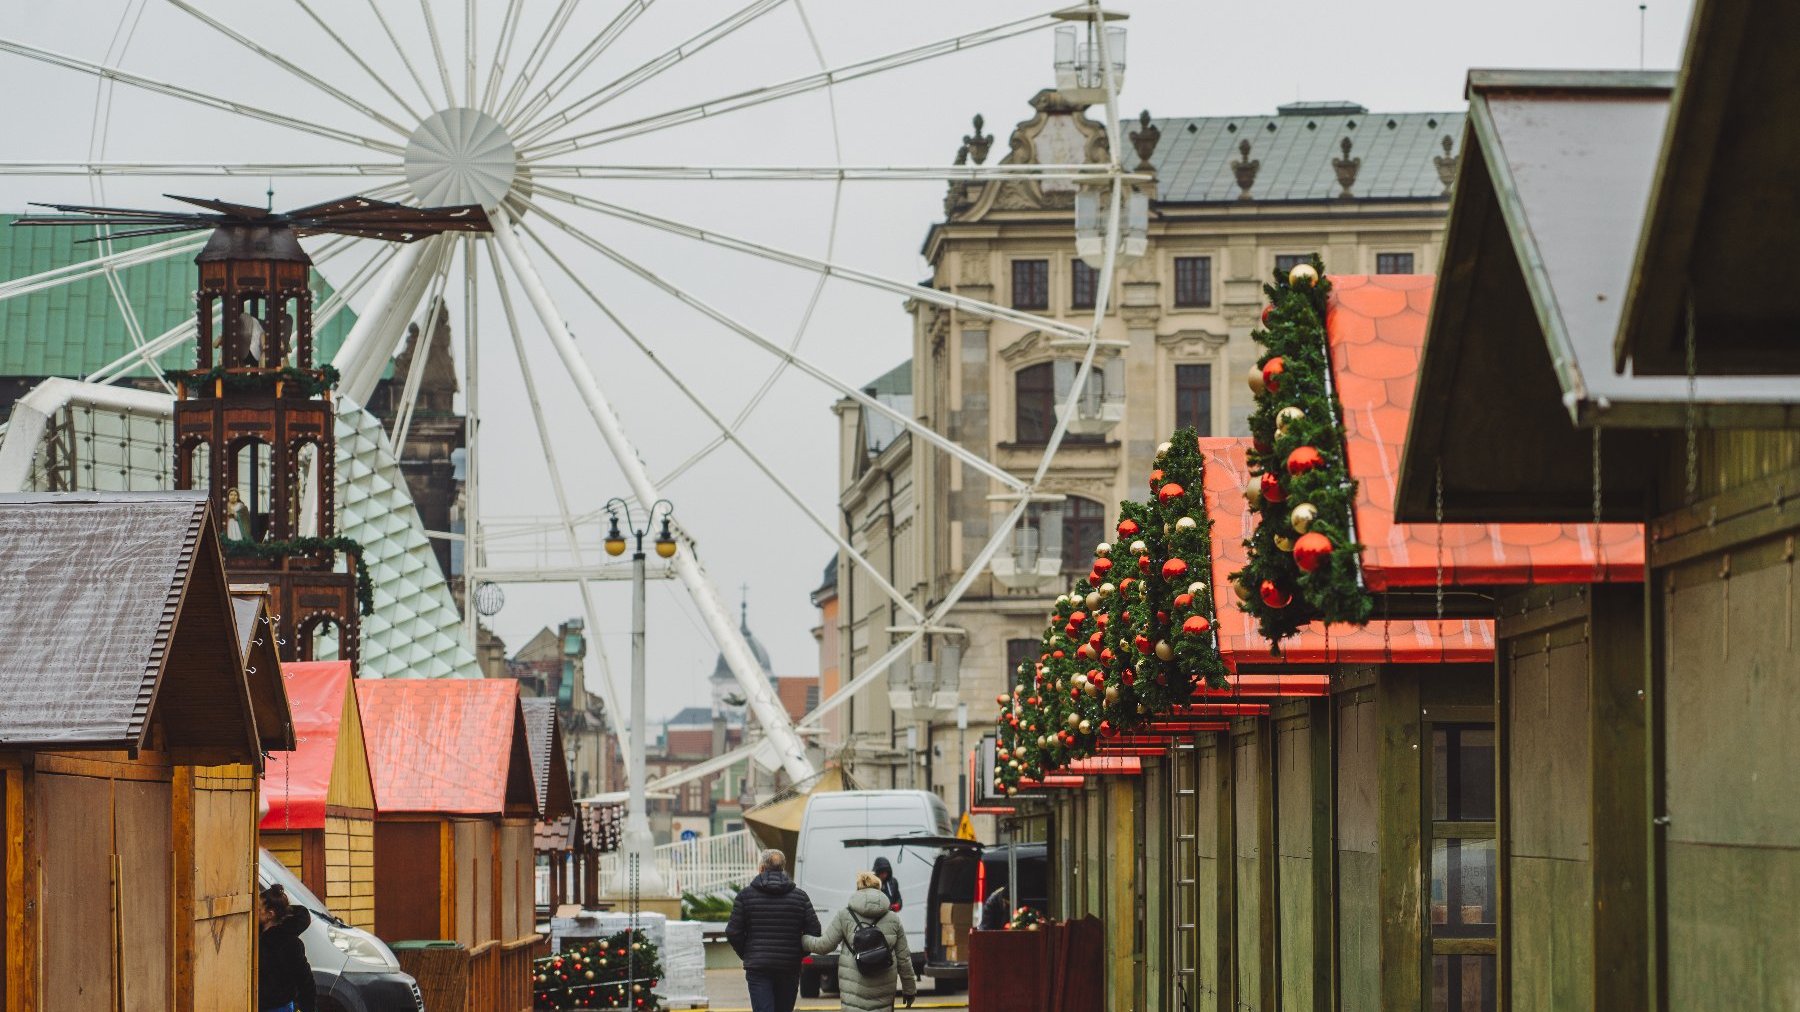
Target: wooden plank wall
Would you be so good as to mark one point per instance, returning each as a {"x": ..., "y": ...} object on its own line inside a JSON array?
[
  {"x": 1358, "y": 926},
  {"x": 1212, "y": 935},
  {"x": 518, "y": 881},
  {"x": 1302, "y": 782},
  {"x": 1254, "y": 886},
  {"x": 474, "y": 881},
  {"x": 223, "y": 817},
  {"x": 287, "y": 848},
  {"x": 409, "y": 881},
  {"x": 350, "y": 869}
]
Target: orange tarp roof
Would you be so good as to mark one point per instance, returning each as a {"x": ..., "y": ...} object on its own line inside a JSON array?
[
  {"x": 1423, "y": 641},
  {"x": 450, "y": 745},
  {"x": 1376, "y": 329},
  {"x": 297, "y": 782}
]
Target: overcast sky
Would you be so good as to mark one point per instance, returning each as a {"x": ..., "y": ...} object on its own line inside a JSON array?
[{"x": 1185, "y": 58}]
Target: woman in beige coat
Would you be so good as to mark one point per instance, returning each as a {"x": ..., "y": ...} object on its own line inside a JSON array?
[{"x": 860, "y": 990}]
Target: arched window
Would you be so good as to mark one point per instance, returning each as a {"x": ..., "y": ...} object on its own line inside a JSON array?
[
  {"x": 248, "y": 496},
  {"x": 308, "y": 491},
  {"x": 199, "y": 466},
  {"x": 319, "y": 640},
  {"x": 1039, "y": 389}
]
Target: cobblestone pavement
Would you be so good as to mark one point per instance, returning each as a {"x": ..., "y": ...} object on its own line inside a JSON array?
[{"x": 725, "y": 989}]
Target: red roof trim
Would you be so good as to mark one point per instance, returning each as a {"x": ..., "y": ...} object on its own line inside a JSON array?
[{"x": 297, "y": 783}]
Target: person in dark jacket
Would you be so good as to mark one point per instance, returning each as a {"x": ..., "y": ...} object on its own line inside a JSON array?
[
  {"x": 768, "y": 919},
  {"x": 284, "y": 981},
  {"x": 890, "y": 886}
]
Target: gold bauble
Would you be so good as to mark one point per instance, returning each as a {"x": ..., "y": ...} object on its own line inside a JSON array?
[
  {"x": 1255, "y": 379},
  {"x": 1288, "y": 416},
  {"x": 1196, "y": 588},
  {"x": 1074, "y": 719},
  {"x": 1107, "y": 590},
  {"x": 1303, "y": 276},
  {"x": 1253, "y": 495},
  {"x": 1186, "y": 524},
  {"x": 1162, "y": 451},
  {"x": 1164, "y": 652},
  {"x": 1243, "y": 592},
  {"x": 1012, "y": 764},
  {"x": 1112, "y": 693},
  {"x": 1284, "y": 543},
  {"x": 1302, "y": 517},
  {"x": 1090, "y": 689},
  {"x": 1142, "y": 709},
  {"x": 1102, "y": 550},
  {"x": 1062, "y": 599},
  {"x": 1139, "y": 548},
  {"x": 1165, "y": 530},
  {"x": 1084, "y": 727},
  {"x": 1010, "y": 791},
  {"x": 1043, "y": 739},
  {"x": 1093, "y": 600}
]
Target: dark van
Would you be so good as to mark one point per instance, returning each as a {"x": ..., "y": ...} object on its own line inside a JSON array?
[{"x": 971, "y": 874}]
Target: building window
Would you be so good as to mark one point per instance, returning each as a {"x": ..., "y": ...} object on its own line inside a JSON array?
[
  {"x": 1084, "y": 282},
  {"x": 1393, "y": 263},
  {"x": 1464, "y": 864},
  {"x": 1017, "y": 653},
  {"x": 1285, "y": 262},
  {"x": 1031, "y": 284},
  {"x": 1083, "y": 520},
  {"x": 1193, "y": 397},
  {"x": 1034, "y": 390},
  {"x": 1193, "y": 281}
]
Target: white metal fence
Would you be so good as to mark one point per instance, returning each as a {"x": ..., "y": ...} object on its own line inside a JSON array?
[{"x": 710, "y": 864}]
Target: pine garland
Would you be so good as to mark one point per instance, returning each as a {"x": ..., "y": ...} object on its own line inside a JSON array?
[
  {"x": 1298, "y": 460},
  {"x": 310, "y": 382},
  {"x": 617, "y": 972},
  {"x": 241, "y": 548}
]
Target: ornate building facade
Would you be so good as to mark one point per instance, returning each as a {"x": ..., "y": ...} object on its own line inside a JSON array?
[{"x": 1230, "y": 200}]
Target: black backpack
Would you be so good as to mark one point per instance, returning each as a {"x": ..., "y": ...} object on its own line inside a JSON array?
[{"x": 870, "y": 947}]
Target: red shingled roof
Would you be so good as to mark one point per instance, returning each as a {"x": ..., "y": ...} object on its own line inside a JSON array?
[
  {"x": 1376, "y": 328},
  {"x": 446, "y": 745},
  {"x": 1406, "y": 641},
  {"x": 297, "y": 782}
]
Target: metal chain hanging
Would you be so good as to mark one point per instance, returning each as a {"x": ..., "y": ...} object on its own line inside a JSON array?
[
  {"x": 1599, "y": 556},
  {"x": 1440, "y": 540},
  {"x": 1693, "y": 410}
]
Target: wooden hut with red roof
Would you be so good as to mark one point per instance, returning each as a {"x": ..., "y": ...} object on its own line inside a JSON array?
[
  {"x": 129, "y": 747},
  {"x": 321, "y": 816},
  {"x": 455, "y": 803}
]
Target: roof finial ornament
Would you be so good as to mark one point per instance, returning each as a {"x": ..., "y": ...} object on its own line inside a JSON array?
[
  {"x": 1446, "y": 163},
  {"x": 1346, "y": 168},
  {"x": 978, "y": 143},
  {"x": 1245, "y": 169},
  {"x": 1144, "y": 139}
]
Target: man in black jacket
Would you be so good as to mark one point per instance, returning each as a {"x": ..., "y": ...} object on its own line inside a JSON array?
[
  {"x": 767, "y": 919},
  {"x": 890, "y": 886}
]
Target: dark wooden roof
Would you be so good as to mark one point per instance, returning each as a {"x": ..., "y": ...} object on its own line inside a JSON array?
[
  {"x": 262, "y": 666},
  {"x": 549, "y": 762},
  {"x": 118, "y": 622},
  {"x": 1722, "y": 208}
]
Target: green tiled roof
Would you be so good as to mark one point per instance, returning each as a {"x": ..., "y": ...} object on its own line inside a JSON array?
[{"x": 74, "y": 329}]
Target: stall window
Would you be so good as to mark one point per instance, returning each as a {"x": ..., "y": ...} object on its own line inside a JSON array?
[
  {"x": 1464, "y": 862},
  {"x": 1393, "y": 263},
  {"x": 1031, "y": 284},
  {"x": 1193, "y": 281}
]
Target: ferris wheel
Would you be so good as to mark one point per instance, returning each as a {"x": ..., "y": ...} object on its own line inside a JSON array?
[{"x": 558, "y": 119}]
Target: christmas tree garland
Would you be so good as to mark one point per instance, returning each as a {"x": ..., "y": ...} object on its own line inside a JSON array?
[
  {"x": 1131, "y": 644},
  {"x": 617, "y": 972},
  {"x": 1304, "y": 562},
  {"x": 243, "y": 548}
]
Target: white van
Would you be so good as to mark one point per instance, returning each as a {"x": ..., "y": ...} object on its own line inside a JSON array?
[{"x": 826, "y": 869}]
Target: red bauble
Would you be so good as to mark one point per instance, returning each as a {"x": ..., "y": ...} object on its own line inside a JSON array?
[
  {"x": 1094, "y": 639},
  {"x": 1142, "y": 643},
  {"x": 1156, "y": 478},
  {"x": 1162, "y": 616},
  {"x": 1143, "y": 563},
  {"x": 1174, "y": 569},
  {"x": 1270, "y": 308},
  {"x": 1106, "y": 729},
  {"x": 1260, "y": 446},
  {"x": 1093, "y": 579},
  {"x": 1085, "y": 652},
  {"x": 1128, "y": 677},
  {"x": 1274, "y": 596},
  {"x": 1304, "y": 459},
  {"x": 1096, "y": 677},
  {"x": 1106, "y": 655},
  {"x": 1310, "y": 551},
  {"x": 1102, "y": 564},
  {"x": 1101, "y": 619},
  {"x": 1125, "y": 584},
  {"x": 1127, "y": 528},
  {"x": 1078, "y": 617},
  {"x": 1271, "y": 372},
  {"x": 1195, "y": 625},
  {"x": 1170, "y": 492},
  {"x": 1058, "y": 654},
  {"x": 1183, "y": 600},
  {"x": 1271, "y": 488}
]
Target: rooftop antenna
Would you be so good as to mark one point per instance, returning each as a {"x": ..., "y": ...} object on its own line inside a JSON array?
[
  {"x": 1642, "y": 17},
  {"x": 271, "y": 194}
]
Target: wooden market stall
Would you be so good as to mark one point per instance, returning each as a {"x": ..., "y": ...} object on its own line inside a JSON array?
[
  {"x": 321, "y": 816},
  {"x": 558, "y": 839},
  {"x": 455, "y": 804},
  {"x": 1686, "y": 816},
  {"x": 129, "y": 743}
]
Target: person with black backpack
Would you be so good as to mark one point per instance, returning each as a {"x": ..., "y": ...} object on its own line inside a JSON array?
[{"x": 875, "y": 962}]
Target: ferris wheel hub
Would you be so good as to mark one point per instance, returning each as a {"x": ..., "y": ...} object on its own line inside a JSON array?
[{"x": 461, "y": 156}]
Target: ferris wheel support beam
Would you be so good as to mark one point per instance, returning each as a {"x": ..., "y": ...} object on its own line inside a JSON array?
[
  {"x": 906, "y": 290},
  {"x": 58, "y": 276},
  {"x": 840, "y": 173},
  {"x": 728, "y": 434},
  {"x": 434, "y": 311},
  {"x": 195, "y": 169},
  {"x": 107, "y": 73},
  {"x": 370, "y": 344},
  {"x": 768, "y": 710},
  {"x": 609, "y": 693},
  {"x": 912, "y": 425}
]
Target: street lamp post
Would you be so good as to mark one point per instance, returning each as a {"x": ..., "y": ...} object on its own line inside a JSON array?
[{"x": 637, "y": 842}]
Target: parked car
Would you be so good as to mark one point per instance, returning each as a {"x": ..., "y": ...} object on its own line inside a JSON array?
[
  {"x": 842, "y": 833},
  {"x": 965, "y": 876},
  {"x": 353, "y": 970}
]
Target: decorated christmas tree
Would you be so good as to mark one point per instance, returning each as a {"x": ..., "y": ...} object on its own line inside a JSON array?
[
  {"x": 1304, "y": 560},
  {"x": 617, "y": 972}
]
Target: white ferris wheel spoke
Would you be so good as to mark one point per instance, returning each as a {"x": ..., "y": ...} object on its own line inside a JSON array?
[
  {"x": 632, "y": 10},
  {"x": 924, "y": 432},
  {"x": 469, "y": 55},
  {"x": 904, "y": 289},
  {"x": 434, "y": 311},
  {"x": 637, "y": 76},
  {"x": 197, "y": 169},
  {"x": 107, "y": 73},
  {"x": 728, "y": 433},
  {"x": 379, "y": 79},
  {"x": 295, "y": 69},
  {"x": 58, "y": 276},
  {"x": 412, "y": 71},
  {"x": 609, "y": 692},
  {"x": 726, "y": 634},
  {"x": 841, "y": 173},
  {"x": 534, "y": 60},
  {"x": 795, "y": 86},
  {"x": 509, "y": 31},
  {"x": 437, "y": 53}
]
